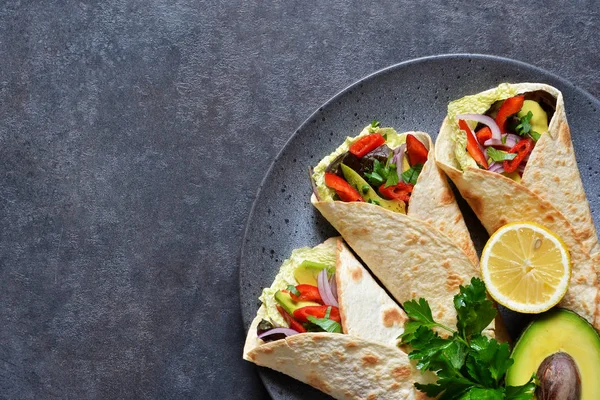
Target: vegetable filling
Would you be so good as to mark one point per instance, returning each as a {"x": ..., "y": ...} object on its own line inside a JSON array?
[
  {"x": 506, "y": 135},
  {"x": 309, "y": 306},
  {"x": 373, "y": 172}
]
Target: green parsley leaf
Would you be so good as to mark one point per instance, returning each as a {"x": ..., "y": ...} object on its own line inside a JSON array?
[
  {"x": 524, "y": 392},
  {"x": 365, "y": 189},
  {"x": 468, "y": 365},
  {"x": 328, "y": 312},
  {"x": 499, "y": 155},
  {"x": 392, "y": 178},
  {"x": 534, "y": 135},
  {"x": 453, "y": 388},
  {"x": 503, "y": 138},
  {"x": 411, "y": 175},
  {"x": 474, "y": 311},
  {"x": 326, "y": 324},
  {"x": 374, "y": 178},
  {"x": 524, "y": 126},
  {"x": 293, "y": 290},
  {"x": 419, "y": 311},
  {"x": 378, "y": 176},
  {"x": 374, "y": 127},
  {"x": 476, "y": 393},
  {"x": 383, "y": 173}
]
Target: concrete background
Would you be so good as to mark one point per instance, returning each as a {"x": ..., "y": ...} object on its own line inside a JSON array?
[{"x": 133, "y": 137}]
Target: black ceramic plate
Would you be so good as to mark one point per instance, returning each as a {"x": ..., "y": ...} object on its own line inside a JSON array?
[{"x": 409, "y": 96}]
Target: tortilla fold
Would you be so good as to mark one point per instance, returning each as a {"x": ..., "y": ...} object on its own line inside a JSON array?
[
  {"x": 362, "y": 363},
  {"x": 411, "y": 258},
  {"x": 426, "y": 253},
  {"x": 367, "y": 311},
  {"x": 550, "y": 193},
  {"x": 343, "y": 366}
]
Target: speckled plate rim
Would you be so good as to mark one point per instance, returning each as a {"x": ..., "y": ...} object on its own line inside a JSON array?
[{"x": 353, "y": 86}]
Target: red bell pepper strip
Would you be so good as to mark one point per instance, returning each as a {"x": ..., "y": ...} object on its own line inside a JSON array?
[
  {"x": 522, "y": 148},
  {"x": 301, "y": 314},
  {"x": 307, "y": 293},
  {"x": 417, "y": 152},
  {"x": 510, "y": 106},
  {"x": 342, "y": 188},
  {"x": 295, "y": 325},
  {"x": 483, "y": 135},
  {"x": 401, "y": 191},
  {"x": 366, "y": 144},
  {"x": 472, "y": 146}
]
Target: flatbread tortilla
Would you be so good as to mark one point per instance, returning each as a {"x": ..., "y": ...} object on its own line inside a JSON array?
[
  {"x": 363, "y": 363},
  {"x": 551, "y": 192},
  {"x": 343, "y": 366},
  {"x": 411, "y": 258},
  {"x": 367, "y": 311},
  {"x": 426, "y": 253}
]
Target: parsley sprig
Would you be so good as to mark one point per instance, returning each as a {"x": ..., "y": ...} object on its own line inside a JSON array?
[
  {"x": 468, "y": 364},
  {"x": 383, "y": 173},
  {"x": 524, "y": 127},
  {"x": 499, "y": 155},
  {"x": 412, "y": 174},
  {"x": 326, "y": 324}
]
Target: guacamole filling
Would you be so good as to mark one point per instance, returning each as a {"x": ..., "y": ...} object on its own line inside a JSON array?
[
  {"x": 497, "y": 130},
  {"x": 379, "y": 166},
  {"x": 303, "y": 297}
]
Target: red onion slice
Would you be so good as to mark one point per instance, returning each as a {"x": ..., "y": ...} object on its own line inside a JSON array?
[
  {"x": 312, "y": 183},
  {"x": 484, "y": 119},
  {"x": 398, "y": 158},
  {"x": 333, "y": 285},
  {"x": 274, "y": 331},
  {"x": 496, "y": 167},
  {"x": 325, "y": 289},
  {"x": 511, "y": 141}
]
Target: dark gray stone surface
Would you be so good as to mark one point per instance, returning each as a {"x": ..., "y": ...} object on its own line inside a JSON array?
[{"x": 133, "y": 138}]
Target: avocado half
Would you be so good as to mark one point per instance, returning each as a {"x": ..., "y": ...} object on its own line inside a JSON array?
[{"x": 558, "y": 331}]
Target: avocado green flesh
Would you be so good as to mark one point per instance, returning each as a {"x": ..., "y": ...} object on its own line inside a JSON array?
[
  {"x": 324, "y": 253},
  {"x": 539, "y": 119},
  {"x": 558, "y": 330},
  {"x": 308, "y": 271},
  {"x": 289, "y": 305},
  {"x": 367, "y": 192},
  {"x": 393, "y": 140}
]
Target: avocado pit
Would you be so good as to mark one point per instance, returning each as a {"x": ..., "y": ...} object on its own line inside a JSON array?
[{"x": 559, "y": 378}]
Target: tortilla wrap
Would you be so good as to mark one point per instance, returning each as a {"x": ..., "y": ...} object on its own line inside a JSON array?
[
  {"x": 365, "y": 362},
  {"x": 367, "y": 311},
  {"x": 426, "y": 253},
  {"x": 432, "y": 199},
  {"x": 343, "y": 366},
  {"x": 551, "y": 192}
]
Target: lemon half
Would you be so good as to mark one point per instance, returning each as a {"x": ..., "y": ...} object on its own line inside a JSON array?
[{"x": 526, "y": 267}]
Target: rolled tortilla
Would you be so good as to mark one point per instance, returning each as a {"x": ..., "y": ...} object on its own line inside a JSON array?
[
  {"x": 367, "y": 311},
  {"x": 426, "y": 253},
  {"x": 343, "y": 366},
  {"x": 551, "y": 192},
  {"x": 362, "y": 363},
  {"x": 432, "y": 199},
  {"x": 411, "y": 258}
]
